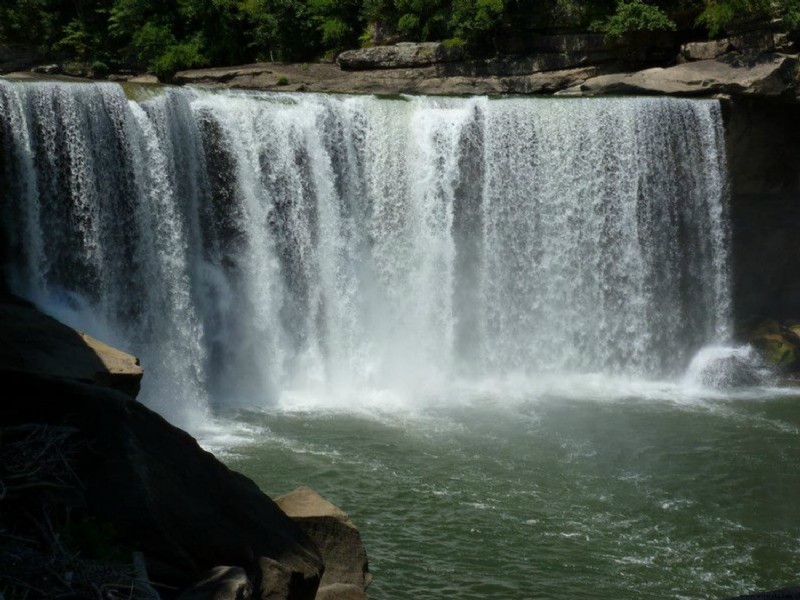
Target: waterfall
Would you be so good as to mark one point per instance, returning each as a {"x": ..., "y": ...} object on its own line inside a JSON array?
[{"x": 247, "y": 244}]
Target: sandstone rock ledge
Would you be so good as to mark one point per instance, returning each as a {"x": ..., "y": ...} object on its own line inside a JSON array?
[
  {"x": 763, "y": 75},
  {"x": 768, "y": 75}
]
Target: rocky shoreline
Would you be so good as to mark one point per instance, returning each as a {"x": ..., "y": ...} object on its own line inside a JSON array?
[{"x": 100, "y": 493}]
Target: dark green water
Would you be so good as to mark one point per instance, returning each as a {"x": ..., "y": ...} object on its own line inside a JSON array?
[{"x": 659, "y": 495}]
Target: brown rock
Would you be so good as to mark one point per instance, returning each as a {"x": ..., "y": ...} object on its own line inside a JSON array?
[
  {"x": 450, "y": 78},
  {"x": 705, "y": 50},
  {"x": 755, "y": 42},
  {"x": 400, "y": 56},
  {"x": 769, "y": 75},
  {"x": 333, "y": 532},
  {"x": 341, "y": 591},
  {"x": 149, "y": 79},
  {"x": 278, "y": 582}
]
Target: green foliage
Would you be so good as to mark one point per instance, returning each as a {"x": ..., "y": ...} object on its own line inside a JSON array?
[
  {"x": 283, "y": 81},
  {"x": 454, "y": 44},
  {"x": 177, "y": 57},
  {"x": 475, "y": 21},
  {"x": 168, "y": 35},
  {"x": 100, "y": 69},
  {"x": 77, "y": 39},
  {"x": 151, "y": 41},
  {"x": 633, "y": 16},
  {"x": 718, "y": 15}
]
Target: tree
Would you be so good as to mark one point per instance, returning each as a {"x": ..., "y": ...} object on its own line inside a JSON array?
[{"x": 634, "y": 16}]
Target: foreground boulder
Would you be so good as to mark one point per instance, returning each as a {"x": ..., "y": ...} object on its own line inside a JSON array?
[
  {"x": 333, "y": 532},
  {"x": 36, "y": 343},
  {"x": 158, "y": 492}
]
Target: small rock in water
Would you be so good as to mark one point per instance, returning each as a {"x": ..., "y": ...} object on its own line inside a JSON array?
[{"x": 721, "y": 367}]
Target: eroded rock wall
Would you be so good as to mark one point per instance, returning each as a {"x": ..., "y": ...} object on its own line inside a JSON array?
[{"x": 763, "y": 145}]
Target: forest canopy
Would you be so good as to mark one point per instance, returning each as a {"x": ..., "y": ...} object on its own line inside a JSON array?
[{"x": 163, "y": 36}]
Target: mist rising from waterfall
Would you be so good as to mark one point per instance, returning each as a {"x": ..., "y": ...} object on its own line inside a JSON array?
[{"x": 246, "y": 245}]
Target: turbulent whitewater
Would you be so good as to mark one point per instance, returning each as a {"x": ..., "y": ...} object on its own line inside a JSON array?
[{"x": 247, "y": 245}]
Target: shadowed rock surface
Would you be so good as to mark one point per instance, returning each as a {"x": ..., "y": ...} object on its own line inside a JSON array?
[
  {"x": 140, "y": 477},
  {"x": 221, "y": 583},
  {"x": 36, "y": 343},
  {"x": 157, "y": 488}
]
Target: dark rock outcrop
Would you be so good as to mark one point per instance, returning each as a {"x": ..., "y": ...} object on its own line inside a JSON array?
[
  {"x": 158, "y": 490},
  {"x": 36, "y": 343},
  {"x": 764, "y": 168},
  {"x": 333, "y": 532}
]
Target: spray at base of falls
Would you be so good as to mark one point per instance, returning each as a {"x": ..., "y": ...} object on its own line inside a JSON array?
[{"x": 250, "y": 246}]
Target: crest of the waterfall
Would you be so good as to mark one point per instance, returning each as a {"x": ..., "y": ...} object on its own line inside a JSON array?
[{"x": 247, "y": 246}]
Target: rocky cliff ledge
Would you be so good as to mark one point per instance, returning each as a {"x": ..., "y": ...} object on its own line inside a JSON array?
[
  {"x": 763, "y": 64},
  {"x": 101, "y": 496}
]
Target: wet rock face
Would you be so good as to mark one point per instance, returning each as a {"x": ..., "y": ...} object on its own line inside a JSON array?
[
  {"x": 778, "y": 344},
  {"x": 764, "y": 170}
]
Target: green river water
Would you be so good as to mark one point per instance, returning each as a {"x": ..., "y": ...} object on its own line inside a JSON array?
[{"x": 649, "y": 492}]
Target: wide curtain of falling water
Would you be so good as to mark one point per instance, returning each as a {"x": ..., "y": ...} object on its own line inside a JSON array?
[{"x": 248, "y": 244}]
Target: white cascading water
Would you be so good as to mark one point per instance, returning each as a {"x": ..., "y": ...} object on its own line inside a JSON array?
[{"x": 248, "y": 245}]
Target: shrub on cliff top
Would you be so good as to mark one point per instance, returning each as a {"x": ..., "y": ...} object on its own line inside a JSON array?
[
  {"x": 634, "y": 16},
  {"x": 718, "y": 15}
]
